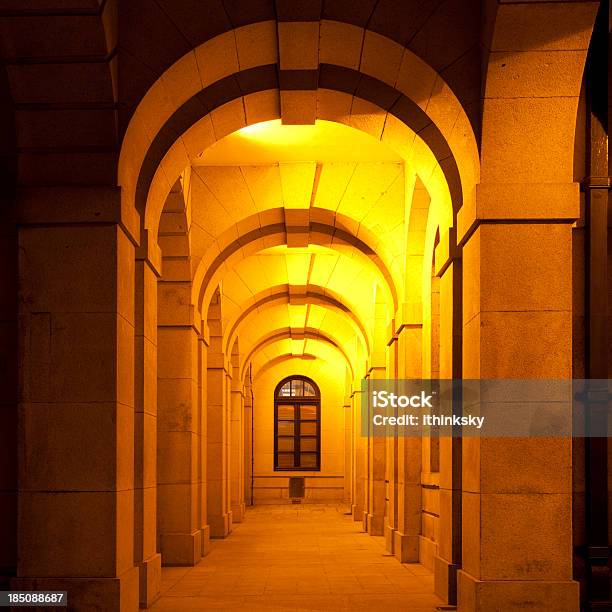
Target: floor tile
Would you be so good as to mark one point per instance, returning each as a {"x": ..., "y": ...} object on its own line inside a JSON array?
[{"x": 311, "y": 557}]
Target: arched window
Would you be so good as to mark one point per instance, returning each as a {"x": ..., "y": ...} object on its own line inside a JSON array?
[{"x": 297, "y": 425}]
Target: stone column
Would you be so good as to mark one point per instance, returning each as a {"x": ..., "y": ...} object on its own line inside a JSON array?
[
  {"x": 179, "y": 424},
  {"x": 237, "y": 451},
  {"x": 448, "y": 560},
  {"x": 359, "y": 459},
  {"x": 76, "y": 433},
  {"x": 348, "y": 447},
  {"x": 146, "y": 557},
  {"x": 406, "y": 545},
  {"x": 227, "y": 442},
  {"x": 374, "y": 516},
  {"x": 517, "y": 323},
  {"x": 9, "y": 399},
  {"x": 219, "y": 513},
  {"x": 180, "y": 421},
  {"x": 203, "y": 440},
  {"x": 248, "y": 438},
  {"x": 391, "y": 459}
]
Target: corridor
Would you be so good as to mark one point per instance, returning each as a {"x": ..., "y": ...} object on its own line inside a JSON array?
[
  {"x": 225, "y": 225},
  {"x": 310, "y": 557}
]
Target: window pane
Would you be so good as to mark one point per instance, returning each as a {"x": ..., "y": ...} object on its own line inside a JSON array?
[
  {"x": 285, "y": 460},
  {"x": 285, "y": 444},
  {"x": 308, "y": 390},
  {"x": 308, "y": 460},
  {"x": 297, "y": 388},
  {"x": 286, "y": 412},
  {"x": 297, "y": 425},
  {"x": 308, "y": 412},
  {"x": 309, "y": 429},
  {"x": 308, "y": 444},
  {"x": 285, "y": 428}
]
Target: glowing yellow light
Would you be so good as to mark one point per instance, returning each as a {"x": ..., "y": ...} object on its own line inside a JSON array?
[
  {"x": 256, "y": 128},
  {"x": 271, "y": 141}
]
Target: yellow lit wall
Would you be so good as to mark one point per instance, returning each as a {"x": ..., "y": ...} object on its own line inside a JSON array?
[{"x": 326, "y": 485}]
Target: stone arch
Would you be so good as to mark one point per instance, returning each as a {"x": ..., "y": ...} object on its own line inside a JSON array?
[
  {"x": 275, "y": 233},
  {"x": 240, "y": 94},
  {"x": 269, "y": 365},
  {"x": 284, "y": 294},
  {"x": 309, "y": 334},
  {"x": 230, "y": 210},
  {"x": 311, "y": 320}
]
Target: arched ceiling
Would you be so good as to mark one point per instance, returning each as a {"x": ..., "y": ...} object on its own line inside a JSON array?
[
  {"x": 303, "y": 271},
  {"x": 211, "y": 77},
  {"x": 349, "y": 205},
  {"x": 132, "y": 92},
  {"x": 238, "y": 312},
  {"x": 266, "y": 330},
  {"x": 311, "y": 353},
  {"x": 304, "y": 231},
  {"x": 427, "y": 151},
  {"x": 263, "y": 71},
  {"x": 243, "y": 62},
  {"x": 299, "y": 237}
]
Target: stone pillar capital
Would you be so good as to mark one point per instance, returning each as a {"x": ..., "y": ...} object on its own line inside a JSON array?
[
  {"x": 149, "y": 252},
  {"x": 409, "y": 314},
  {"x": 187, "y": 324},
  {"x": 68, "y": 205},
  {"x": 376, "y": 372},
  {"x": 519, "y": 203},
  {"x": 446, "y": 252},
  {"x": 217, "y": 361}
]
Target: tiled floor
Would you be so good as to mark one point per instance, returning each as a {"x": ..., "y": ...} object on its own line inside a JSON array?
[{"x": 307, "y": 557}]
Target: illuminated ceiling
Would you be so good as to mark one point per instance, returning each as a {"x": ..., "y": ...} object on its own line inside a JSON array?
[
  {"x": 271, "y": 142},
  {"x": 302, "y": 227}
]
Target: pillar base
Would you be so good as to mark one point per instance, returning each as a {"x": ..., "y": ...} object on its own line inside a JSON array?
[
  {"x": 205, "y": 531},
  {"x": 389, "y": 539},
  {"x": 364, "y": 521},
  {"x": 238, "y": 511},
  {"x": 483, "y": 596},
  {"x": 357, "y": 513},
  {"x": 445, "y": 580},
  {"x": 220, "y": 526},
  {"x": 119, "y": 594},
  {"x": 181, "y": 548},
  {"x": 150, "y": 580},
  {"x": 376, "y": 525},
  {"x": 428, "y": 549},
  {"x": 406, "y": 547}
]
